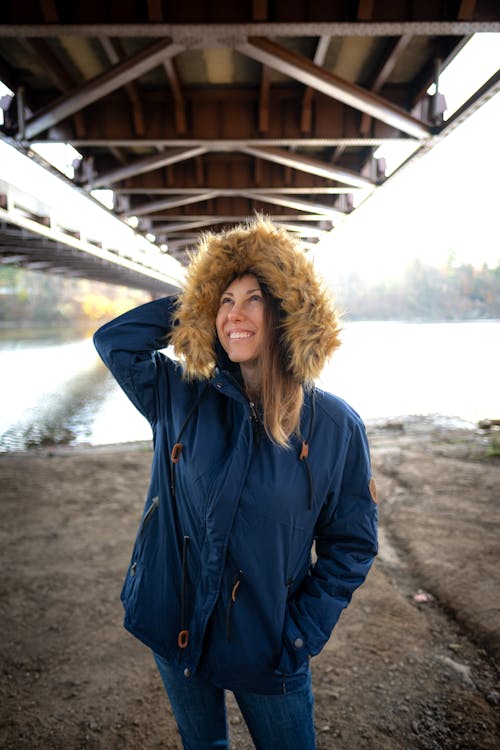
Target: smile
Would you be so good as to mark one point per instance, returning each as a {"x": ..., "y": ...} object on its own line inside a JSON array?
[{"x": 239, "y": 335}]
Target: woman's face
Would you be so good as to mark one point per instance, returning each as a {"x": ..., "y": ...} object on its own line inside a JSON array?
[{"x": 240, "y": 321}]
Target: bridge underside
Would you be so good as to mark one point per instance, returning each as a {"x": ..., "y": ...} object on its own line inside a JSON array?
[
  {"x": 198, "y": 114},
  {"x": 23, "y": 248}
]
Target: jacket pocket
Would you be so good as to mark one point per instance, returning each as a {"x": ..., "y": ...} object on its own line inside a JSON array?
[{"x": 134, "y": 574}]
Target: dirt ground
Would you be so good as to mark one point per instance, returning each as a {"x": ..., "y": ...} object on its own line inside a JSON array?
[{"x": 410, "y": 665}]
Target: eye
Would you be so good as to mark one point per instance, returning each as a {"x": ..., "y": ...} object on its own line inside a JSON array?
[
  {"x": 225, "y": 300},
  {"x": 256, "y": 298}
]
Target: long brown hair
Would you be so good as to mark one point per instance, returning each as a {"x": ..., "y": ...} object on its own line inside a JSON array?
[{"x": 280, "y": 394}]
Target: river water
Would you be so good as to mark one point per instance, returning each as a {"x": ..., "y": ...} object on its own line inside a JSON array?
[{"x": 58, "y": 392}]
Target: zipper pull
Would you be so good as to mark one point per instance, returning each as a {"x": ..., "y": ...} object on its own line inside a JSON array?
[
  {"x": 253, "y": 412},
  {"x": 256, "y": 423}
]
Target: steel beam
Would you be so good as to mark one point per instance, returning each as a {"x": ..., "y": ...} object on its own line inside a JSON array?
[
  {"x": 302, "y": 69},
  {"x": 146, "y": 165},
  {"x": 112, "y": 79},
  {"x": 51, "y": 65},
  {"x": 264, "y": 93},
  {"x": 318, "y": 208},
  {"x": 197, "y": 36},
  {"x": 57, "y": 73},
  {"x": 393, "y": 53},
  {"x": 183, "y": 226},
  {"x": 466, "y": 10},
  {"x": 222, "y": 144},
  {"x": 228, "y": 192},
  {"x": 114, "y": 51},
  {"x": 189, "y": 239},
  {"x": 303, "y": 229},
  {"x": 180, "y": 102},
  {"x": 312, "y": 166},
  {"x": 148, "y": 208},
  {"x": 365, "y": 10},
  {"x": 318, "y": 59},
  {"x": 232, "y": 219},
  {"x": 395, "y": 48}
]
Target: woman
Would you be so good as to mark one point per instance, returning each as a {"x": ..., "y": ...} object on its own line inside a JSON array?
[{"x": 252, "y": 466}]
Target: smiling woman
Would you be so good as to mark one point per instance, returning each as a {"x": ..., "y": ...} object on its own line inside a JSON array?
[{"x": 248, "y": 456}]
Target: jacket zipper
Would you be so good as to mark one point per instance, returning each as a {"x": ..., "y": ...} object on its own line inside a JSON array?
[
  {"x": 149, "y": 514},
  {"x": 145, "y": 521},
  {"x": 183, "y": 637},
  {"x": 256, "y": 423}
]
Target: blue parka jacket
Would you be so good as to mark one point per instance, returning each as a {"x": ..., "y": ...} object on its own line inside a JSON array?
[{"x": 222, "y": 580}]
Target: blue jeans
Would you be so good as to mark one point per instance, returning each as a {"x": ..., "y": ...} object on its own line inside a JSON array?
[{"x": 275, "y": 722}]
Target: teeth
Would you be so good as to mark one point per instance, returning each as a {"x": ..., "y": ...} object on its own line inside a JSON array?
[{"x": 239, "y": 335}]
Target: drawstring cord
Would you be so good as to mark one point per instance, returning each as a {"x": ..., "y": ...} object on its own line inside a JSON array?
[{"x": 304, "y": 454}]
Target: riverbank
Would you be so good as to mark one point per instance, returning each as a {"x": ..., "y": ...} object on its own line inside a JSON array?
[{"x": 410, "y": 665}]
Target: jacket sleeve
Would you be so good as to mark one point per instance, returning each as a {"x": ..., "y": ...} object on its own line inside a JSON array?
[
  {"x": 346, "y": 544},
  {"x": 128, "y": 346}
]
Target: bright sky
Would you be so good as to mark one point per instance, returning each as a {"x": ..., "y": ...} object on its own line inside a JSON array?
[{"x": 447, "y": 201}]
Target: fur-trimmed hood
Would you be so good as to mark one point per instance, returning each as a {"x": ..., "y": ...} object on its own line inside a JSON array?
[{"x": 309, "y": 330}]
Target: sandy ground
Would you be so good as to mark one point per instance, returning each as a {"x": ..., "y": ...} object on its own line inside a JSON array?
[{"x": 397, "y": 673}]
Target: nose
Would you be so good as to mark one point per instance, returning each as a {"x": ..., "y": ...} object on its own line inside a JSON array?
[{"x": 236, "y": 312}]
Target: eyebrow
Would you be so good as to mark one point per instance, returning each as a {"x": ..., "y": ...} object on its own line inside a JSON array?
[{"x": 249, "y": 291}]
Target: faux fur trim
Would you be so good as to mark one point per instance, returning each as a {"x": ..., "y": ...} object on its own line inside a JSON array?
[{"x": 310, "y": 328}]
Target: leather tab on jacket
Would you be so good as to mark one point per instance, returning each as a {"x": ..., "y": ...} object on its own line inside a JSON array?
[{"x": 176, "y": 453}]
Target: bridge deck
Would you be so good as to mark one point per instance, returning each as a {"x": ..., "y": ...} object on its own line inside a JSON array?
[{"x": 195, "y": 114}]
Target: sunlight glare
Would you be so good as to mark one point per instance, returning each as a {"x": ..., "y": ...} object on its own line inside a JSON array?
[
  {"x": 6, "y": 94},
  {"x": 104, "y": 196},
  {"x": 476, "y": 62},
  {"x": 445, "y": 205},
  {"x": 62, "y": 156}
]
